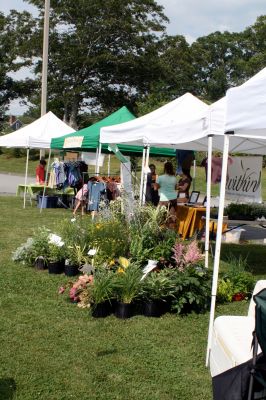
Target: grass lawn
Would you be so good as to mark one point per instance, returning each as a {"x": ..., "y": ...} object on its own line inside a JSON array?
[{"x": 50, "y": 349}]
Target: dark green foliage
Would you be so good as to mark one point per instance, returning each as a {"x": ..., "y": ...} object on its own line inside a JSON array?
[
  {"x": 245, "y": 211},
  {"x": 236, "y": 280},
  {"x": 192, "y": 290}
]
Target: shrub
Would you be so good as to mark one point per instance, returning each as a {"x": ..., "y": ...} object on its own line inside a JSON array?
[{"x": 192, "y": 290}]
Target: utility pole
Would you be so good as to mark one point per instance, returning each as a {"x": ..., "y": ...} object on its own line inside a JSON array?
[{"x": 45, "y": 62}]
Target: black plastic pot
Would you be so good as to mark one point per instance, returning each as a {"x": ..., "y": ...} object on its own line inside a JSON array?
[
  {"x": 55, "y": 267},
  {"x": 40, "y": 263},
  {"x": 153, "y": 309},
  {"x": 123, "y": 310},
  {"x": 71, "y": 270},
  {"x": 101, "y": 310}
]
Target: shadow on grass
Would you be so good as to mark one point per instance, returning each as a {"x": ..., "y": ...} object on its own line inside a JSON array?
[{"x": 7, "y": 388}]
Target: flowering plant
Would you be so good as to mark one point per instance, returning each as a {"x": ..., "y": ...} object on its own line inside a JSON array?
[
  {"x": 78, "y": 291},
  {"x": 186, "y": 255},
  {"x": 56, "y": 250},
  {"x": 76, "y": 255}
]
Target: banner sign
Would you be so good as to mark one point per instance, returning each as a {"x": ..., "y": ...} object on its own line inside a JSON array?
[
  {"x": 243, "y": 182},
  {"x": 72, "y": 142},
  {"x": 117, "y": 152}
]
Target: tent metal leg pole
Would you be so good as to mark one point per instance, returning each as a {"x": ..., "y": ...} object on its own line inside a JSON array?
[
  {"x": 26, "y": 177},
  {"x": 108, "y": 165},
  {"x": 194, "y": 174},
  {"x": 145, "y": 175},
  {"x": 46, "y": 178},
  {"x": 95, "y": 171},
  {"x": 142, "y": 174},
  {"x": 218, "y": 244},
  {"x": 98, "y": 159},
  {"x": 208, "y": 208}
]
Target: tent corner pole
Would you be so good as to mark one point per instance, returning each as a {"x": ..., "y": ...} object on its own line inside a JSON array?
[
  {"x": 145, "y": 175},
  {"x": 208, "y": 208},
  {"x": 142, "y": 175},
  {"x": 218, "y": 245},
  {"x": 26, "y": 177}
]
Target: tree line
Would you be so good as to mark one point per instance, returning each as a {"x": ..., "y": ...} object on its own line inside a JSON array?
[{"x": 106, "y": 54}]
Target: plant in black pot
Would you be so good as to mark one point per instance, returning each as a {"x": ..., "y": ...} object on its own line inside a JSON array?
[
  {"x": 102, "y": 292},
  {"x": 156, "y": 292},
  {"x": 128, "y": 286},
  {"x": 56, "y": 254},
  {"x": 76, "y": 257}
]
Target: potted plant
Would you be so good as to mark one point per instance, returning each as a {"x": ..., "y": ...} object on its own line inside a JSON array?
[
  {"x": 56, "y": 254},
  {"x": 157, "y": 289},
  {"x": 127, "y": 289},
  {"x": 102, "y": 292},
  {"x": 76, "y": 257}
]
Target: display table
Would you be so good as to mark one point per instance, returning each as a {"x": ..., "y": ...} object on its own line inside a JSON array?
[
  {"x": 33, "y": 189},
  {"x": 189, "y": 220}
]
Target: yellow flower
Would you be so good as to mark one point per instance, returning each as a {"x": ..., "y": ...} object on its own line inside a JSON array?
[
  {"x": 120, "y": 270},
  {"x": 98, "y": 226},
  {"x": 112, "y": 262},
  {"x": 124, "y": 262}
]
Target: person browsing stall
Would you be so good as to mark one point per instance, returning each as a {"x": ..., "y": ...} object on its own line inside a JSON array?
[
  {"x": 40, "y": 172},
  {"x": 152, "y": 195},
  {"x": 166, "y": 184},
  {"x": 184, "y": 186}
]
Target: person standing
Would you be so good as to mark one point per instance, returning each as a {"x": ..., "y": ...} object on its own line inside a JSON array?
[
  {"x": 40, "y": 172},
  {"x": 152, "y": 195},
  {"x": 184, "y": 186},
  {"x": 166, "y": 184}
]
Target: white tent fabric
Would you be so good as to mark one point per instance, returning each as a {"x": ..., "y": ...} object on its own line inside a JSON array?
[
  {"x": 38, "y": 134},
  {"x": 245, "y": 119},
  {"x": 141, "y": 130},
  {"x": 246, "y": 105}
]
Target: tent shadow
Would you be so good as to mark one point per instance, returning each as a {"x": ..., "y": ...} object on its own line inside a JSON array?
[{"x": 7, "y": 388}]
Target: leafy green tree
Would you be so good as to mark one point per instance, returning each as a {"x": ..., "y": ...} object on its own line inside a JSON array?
[
  {"x": 176, "y": 74},
  {"x": 218, "y": 61},
  {"x": 102, "y": 54}
]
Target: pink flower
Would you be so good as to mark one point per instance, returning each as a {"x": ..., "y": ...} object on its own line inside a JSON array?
[
  {"x": 193, "y": 254},
  {"x": 72, "y": 294}
]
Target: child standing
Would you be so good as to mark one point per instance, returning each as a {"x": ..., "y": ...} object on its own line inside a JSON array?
[{"x": 81, "y": 199}]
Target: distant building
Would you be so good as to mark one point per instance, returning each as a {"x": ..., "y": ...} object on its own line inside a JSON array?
[{"x": 14, "y": 123}]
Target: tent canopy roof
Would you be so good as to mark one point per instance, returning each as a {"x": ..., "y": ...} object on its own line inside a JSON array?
[
  {"x": 159, "y": 126},
  {"x": 38, "y": 134},
  {"x": 89, "y": 137},
  {"x": 246, "y": 108}
]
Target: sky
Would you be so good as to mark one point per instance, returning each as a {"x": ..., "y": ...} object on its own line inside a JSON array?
[{"x": 190, "y": 18}]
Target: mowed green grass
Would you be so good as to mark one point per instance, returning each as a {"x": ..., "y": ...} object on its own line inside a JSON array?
[{"x": 52, "y": 350}]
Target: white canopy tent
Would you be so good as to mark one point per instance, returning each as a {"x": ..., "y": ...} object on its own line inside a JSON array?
[
  {"x": 245, "y": 124},
  {"x": 241, "y": 111},
  {"x": 140, "y": 130},
  {"x": 36, "y": 135}
]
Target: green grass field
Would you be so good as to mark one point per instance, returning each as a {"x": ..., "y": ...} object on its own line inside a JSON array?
[{"x": 50, "y": 349}]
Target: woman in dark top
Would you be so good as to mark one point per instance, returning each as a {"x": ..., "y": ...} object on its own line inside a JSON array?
[{"x": 184, "y": 186}]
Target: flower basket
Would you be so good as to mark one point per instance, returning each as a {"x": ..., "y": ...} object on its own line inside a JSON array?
[
  {"x": 124, "y": 310},
  {"x": 101, "y": 310},
  {"x": 71, "y": 270},
  {"x": 56, "y": 267}
]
